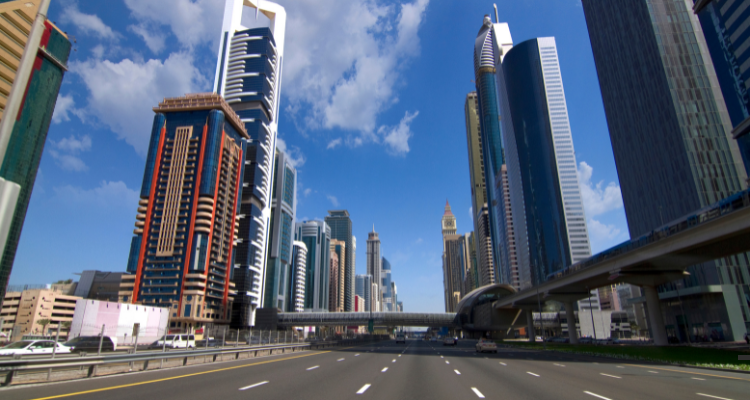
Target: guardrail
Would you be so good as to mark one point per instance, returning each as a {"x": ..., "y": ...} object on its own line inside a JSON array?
[{"x": 91, "y": 365}]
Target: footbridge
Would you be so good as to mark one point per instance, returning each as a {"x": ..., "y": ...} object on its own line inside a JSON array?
[{"x": 434, "y": 320}]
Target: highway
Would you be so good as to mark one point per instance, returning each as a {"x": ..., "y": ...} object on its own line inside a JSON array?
[{"x": 416, "y": 370}]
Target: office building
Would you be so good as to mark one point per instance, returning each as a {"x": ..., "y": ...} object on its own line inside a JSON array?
[
  {"x": 99, "y": 285},
  {"x": 374, "y": 268},
  {"x": 317, "y": 238},
  {"x": 281, "y": 233},
  {"x": 359, "y": 304},
  {"x": 671, "y": 137},
  {"x": 480, "y": 210},
  {"x": 471, "y": 274},
  {"x": 725, "y": 28},
  {"x": 339, "y": 247},
  {"x": 333, "y": 283},
  {"x": 455, "y": 248},
  {"x": 400, "y": 305},
  {"x": 363, "y": 288},
  {"x": 34, "y": 53},
  {"x": 181, "y": 256},
  {"x": 298, "y": 281},
  {"x": 386, "y": 284},
  {"x": 248, "y": 76},
  {"x": 394, "y": 296},
  {"x": 448, "y": 223},
  {"x": 36, "y": 312},
  {"x": 341, "y": 229}
]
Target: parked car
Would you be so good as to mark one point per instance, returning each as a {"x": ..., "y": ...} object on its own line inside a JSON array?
[
  {"x": 557, "y": 339},
  {"x": 585, "y": 340},
  {"x": 175, "y": 341},
  {"x": 91, "y": 343},
  {"x": 486, "y": 345},
  {"x": 450, "y": 341},
  {"x": 33, "y": 347},
  {"x": 211, "y": 343}
]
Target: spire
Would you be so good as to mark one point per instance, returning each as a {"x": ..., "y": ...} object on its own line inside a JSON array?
[
  {"x": 373, "y": 227},
  {"x": 447, "y": 209}
]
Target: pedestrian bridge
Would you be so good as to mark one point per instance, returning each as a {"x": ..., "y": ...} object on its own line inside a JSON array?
[{"x": 363, "y": 318}]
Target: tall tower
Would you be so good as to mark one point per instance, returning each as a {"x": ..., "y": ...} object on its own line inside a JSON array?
[
  {"x": 341, "y": 229},
  {"x": 34, "y": 53},
  {"x": 248, "y": 76},
  {"x": 297, "y": 283},
  {"x": 339, "y": 247},
  {"x": 448, "y": 222},
  {"x": 316, "y": 236},
  {"x": 374, "y": 268},
  {"x": 386, "y": 284}
]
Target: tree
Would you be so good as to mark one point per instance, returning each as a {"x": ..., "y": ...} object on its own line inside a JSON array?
[{"x": 43, "y": 322}]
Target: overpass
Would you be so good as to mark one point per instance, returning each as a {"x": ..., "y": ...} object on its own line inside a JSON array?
[{"x": 435, "y": 320}]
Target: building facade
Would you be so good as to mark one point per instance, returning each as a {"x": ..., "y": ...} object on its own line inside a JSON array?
[
  {"x": 99, "y": 285},
  {"x": 182, "y": 251},
  {"x": 448, "y": 224},
  {"x": 32, "y": 70},
  {"x": 359, "y": 304},
  {"x": 363, "y": 288},
  {"x": 37, "y": 312},
  {"x": 453, "y": 265},
  {"x": 316, "y": 235},
  {"x": 339, "y": 247},
  {"x": 341, "y": 229},
  {"x": 386, "y": 284},
  {"x": 671, "y": 136},
  {"x": 298, "y": 273},
  {"x": 374, "y": 268},
  {"x": 333, "y": 284}
]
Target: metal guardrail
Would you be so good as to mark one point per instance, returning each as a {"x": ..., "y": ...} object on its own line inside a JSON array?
[{"x": 12, "y": 367}]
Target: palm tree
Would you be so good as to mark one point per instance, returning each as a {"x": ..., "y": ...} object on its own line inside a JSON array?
[{"x": 43, "y": 322}]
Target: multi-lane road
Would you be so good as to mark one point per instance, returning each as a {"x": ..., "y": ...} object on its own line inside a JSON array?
[{"x": 416, "y": 370}]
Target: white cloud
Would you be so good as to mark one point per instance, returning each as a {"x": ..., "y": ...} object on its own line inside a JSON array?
[
  {"x": 307, "y": 192},
  {"x": 344, "y": 58},
  {"x": 471, "y": 212},
  {"x": 294, "y": 154},
  {"x": 107, "y": 195},
  {"x": 122, "y": 94},
  {"x": 65, "y": 152},
  {"x": 333, "y": 200},
  {"x": 397, "y": 138},
  {"x": 333, "y": 143},
  {"x": 599, "y": 231},
  {"x": 154, "y": 40},
  {"x": 193, "y": 22},
  {"x": 597, "y": 199},
  {"x": 74, "y": 144},
  {"x": 69, "y": 162},
  {"x": 88, "y": 24},
  {"x": 65, "y": 106}
]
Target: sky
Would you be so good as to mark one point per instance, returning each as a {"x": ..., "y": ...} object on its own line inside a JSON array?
[{"x": 372, "y": 114}]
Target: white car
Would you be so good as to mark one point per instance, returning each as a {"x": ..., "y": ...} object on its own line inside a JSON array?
[
  {"x": 401, "y": 338},
  {"x": 176, "y": 341},
  {"x": 485, "y": 345},
  {"x": 33, "y": 347}
]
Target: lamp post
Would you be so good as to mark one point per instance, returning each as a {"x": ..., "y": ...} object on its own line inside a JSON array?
[
  {"x": 591, "y": 309},
  {"x": 684, "y": 316}
]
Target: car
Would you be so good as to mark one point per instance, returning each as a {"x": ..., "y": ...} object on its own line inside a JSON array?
[
  {"x": 401, "y": 338},
  {"x": 211, "y": 343},
  {"x": 175, "y": 341},
  {"x": 91, "y": 343},
  {"x": 433, "y": 339},
  {"x": 33, "y": 347},
  {"x": 450, "y": 341},
  {"x": 486, "y": 345}
]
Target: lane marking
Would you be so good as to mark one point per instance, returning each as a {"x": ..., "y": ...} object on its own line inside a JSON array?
[
  {"x": 559, "y": 365},
  {"x": 400, "y": 354},
  {"x": 312, "y": 368},
  {"x": 620, "y": 366},
  {"x": 447, "y": 362},
  {"x": 340, "y": 359},
  {"x": 502, "y": 363},
  {"x": 692, "y": 373},
  {"x": 478, "y": 393},
  {"x": 531, "y": 373},
  {"x": 363, "y": 389},
  {"x": 394, "y": 360},
  {"x": 611, "y": 376},
  {"x": 713, "y": 397},
  {"x": 356, "y": 355},
  {"x": 653, "y": 372},
  {"x": 456, "y": 371},
  {"x": 441, "y": 356},
  {"x": 596, "y": 395},
  {"x": 384, "y": 369},
  {"x": 698, "y": 379},
  {"x": 253, "y": 385}
]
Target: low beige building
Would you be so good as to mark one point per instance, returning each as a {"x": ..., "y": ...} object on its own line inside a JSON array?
[{"x": 22, "y": 313}]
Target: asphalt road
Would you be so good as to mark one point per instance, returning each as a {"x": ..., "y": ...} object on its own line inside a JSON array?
[{"x": 417, "y": 370}]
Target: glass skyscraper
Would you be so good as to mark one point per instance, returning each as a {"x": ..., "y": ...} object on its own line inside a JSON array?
[
  {"x": 386, "y": 285},
  {"x": 341, "y": 229},
  {"x": 316, "y": 235},
  {"x": 363, "y": 286}
]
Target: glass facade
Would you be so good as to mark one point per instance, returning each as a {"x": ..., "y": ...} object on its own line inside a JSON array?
[
  {"x": 316, "y": 235},
  {"x": 341, "y": 229},
  {"x": 386, "y": 285}
]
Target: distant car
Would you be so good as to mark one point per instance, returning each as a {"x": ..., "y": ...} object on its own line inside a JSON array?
[
  {"x": 91, "y": 343},
  {"x": 450, "y": 341},
  {"x": 585, "y": 340},
  {"x": 175, "y": 341},
  {"x": 211, "y": 343},
  {"x": 486, "y": 345},
  {"x": 401, "y": 338},
  {"x": 433, "y": 339},
  {"x": 557, "y": 339},
  {"x": 33, "y": 347}
]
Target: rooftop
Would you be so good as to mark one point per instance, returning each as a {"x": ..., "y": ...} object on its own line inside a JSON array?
[{"x": 203, "y": 101}]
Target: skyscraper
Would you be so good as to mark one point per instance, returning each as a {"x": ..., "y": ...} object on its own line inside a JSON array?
[
  {"x": 182, "y": 253},
  {"x": 671, "y": 137},
  {"x": 281, "y": 235},
  {"x": 248, "y": 76},
  {"x": 455, "y": 248},
  {"x": 333, "y": 285},
  {"x": 341, "y": 229},
  {"x": 363, "y": 288},
  {"x": 34, "y": 53},
  {"x": 317, "y": 238},
  {"x": 448, "y": 223},
  {"x": 297, "y": 283},
  {"x": 386, "y": 284},
  {"x": 339, "y": 247},
  {"x": 374, "y": 268}
]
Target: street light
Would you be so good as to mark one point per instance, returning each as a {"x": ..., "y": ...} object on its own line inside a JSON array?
[{"x": 684, "y": 316}]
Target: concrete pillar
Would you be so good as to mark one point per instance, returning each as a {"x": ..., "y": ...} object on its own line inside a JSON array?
[
  {"x": 571, "y": 316},
  {"x": 655, "y": 320},
  {"x": 530, "y": 327}
]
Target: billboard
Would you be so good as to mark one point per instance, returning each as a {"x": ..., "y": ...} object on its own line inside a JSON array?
[{"x": 119, "y": 320}]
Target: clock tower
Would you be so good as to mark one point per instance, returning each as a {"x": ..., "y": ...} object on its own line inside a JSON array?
[{"x": 449, "y": 222}]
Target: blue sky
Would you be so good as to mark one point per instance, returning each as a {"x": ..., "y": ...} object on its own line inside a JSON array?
[{"x": 372, "y": 113}]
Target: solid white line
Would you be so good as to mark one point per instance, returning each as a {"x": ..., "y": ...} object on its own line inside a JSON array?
[
  {"x": 340, "y": 359},
  {"x": 611, "y": 376},
  {"x": 531, "y": 373},
  {"x": 502, "y": 363},
  {"x": 596, "y": 395},
  {"x": 363, "y": 389},
  {"x": 253, "y": 385},
  {"x": 559, "y": 365},
  {"x": 698, "y": 379},
  {"x": 478, "y": 393},
  {"x": 384, "y": 369},
  {"x": 456, "y": 371},
  {"x": 713, "y": 397},
  {"x": 313, "y": 367}
]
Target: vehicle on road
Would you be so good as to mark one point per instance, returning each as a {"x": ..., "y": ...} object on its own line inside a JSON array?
[
  {"x": 33, "y": 347},
  {"x": 91, "y": 343},
  {"x": 450, "y": 341},
  {"x": 211, "y": 343},
  {"x": 557, "y": 339},
  {"x": 433, "y": 339},
  {"x": 486, "y": 345},
  {"x": 175, "y": 341},
  {"x": 400, "y": 338}
]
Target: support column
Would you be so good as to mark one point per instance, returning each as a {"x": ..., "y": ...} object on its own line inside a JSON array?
[
  {"x": 655, "y": 320},
  {"x": 530, "y": 327},
  {"x": 571, "y": 316}
]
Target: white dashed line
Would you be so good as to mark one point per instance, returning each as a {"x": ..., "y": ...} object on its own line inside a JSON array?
[
  {"x": 478, "y": 393},
  {"x": 611, "y": 376},
  {"x": 559, "y": 365},
  {"x": 363, "y": 389},
  {"x": 253, "y": 385},
  {"x": 502, "y": 363},
  {"x": 653, "y": 372},
  {"x": 456, "y": 371},
  {"x": 441, "y": 356},
  {"x": 620, "y": 366},
  {"x": 447, "y": 362},
  {"x": 356, "y": 355},
  {"x": 596, "y": 395},
  {"x": 384, "y": 369},
  {"x": 400, "y": 354},
  {"x": 698, "y": 379},
  {"x": 713, "y": 397},
  {"x": 394, "y": 360},
  {"x": 531, "y": 373},
  {"x": 311, "y": 368},
  {"x": 340, "y": 359}
]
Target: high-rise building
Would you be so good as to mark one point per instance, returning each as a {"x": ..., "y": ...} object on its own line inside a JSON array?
[
  {"x": 333, "y": 285},
  {"x": 341, "y": 229},
  {"x": 182, "y": 253},
  {"x": 374, "y": 268},
  {"x": 281, "y": 235},
  {"x": 339, "y": 247},
  {"x": 724, "y": 25},
  {"x": 386, "y": 284},
  {"x": 99, "y": 285},
  {"x": 470, "y": 278},
  {"x": 359, "y": 304},
  {"x": 480, "y": 212},
  {"x": 394, "y": 296},
  {"x": 248, "y": 76},
  {"x": 671, "y": 137},
  {"x": 34, "y": 53},
  {"x": 400, "y": 306},
  {"x": 455, "y": 249},
  {"x": 363, "y": 288},
  {"x": 298, "y": 281},
  {"x": 448, "y": 223},
  {"x": 317, "y": 238}
]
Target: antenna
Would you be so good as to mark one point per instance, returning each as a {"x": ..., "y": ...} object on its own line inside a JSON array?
[{"x": 497, "y": 19}]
